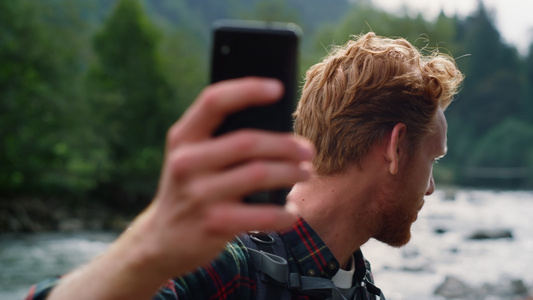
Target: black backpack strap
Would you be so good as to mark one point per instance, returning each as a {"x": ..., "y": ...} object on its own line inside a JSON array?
[
  {"x": 374, "y": 290},
  {"x": 268, "y": 255}
]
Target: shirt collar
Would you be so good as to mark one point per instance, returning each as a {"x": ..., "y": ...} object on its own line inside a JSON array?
[
  {"x": 310, "y": 256},
  {"x": 344, "y": 278}
]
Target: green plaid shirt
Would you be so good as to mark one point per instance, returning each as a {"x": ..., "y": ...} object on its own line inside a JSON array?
[{"x": 231, "y": 275}]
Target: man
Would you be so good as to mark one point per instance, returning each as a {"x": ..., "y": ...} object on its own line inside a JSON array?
[{"x": 373, "y": 109}]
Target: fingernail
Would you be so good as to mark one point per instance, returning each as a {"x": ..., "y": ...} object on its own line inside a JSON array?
[
  {"x": 307, "y": 150},
  {"x": 273, "y": 87},
  {"x": 306, "y": 169}
]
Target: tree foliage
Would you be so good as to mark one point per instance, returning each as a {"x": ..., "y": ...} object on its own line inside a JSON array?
[
  {"x": 131, "y": 98},
  {"x": 89, "y": 88},
  {"x": 43, "y": 141}
]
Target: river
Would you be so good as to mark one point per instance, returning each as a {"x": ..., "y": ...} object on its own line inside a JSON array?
[
  {"x": 29, "y": 258},
  {"x": 439, "y": 248}
]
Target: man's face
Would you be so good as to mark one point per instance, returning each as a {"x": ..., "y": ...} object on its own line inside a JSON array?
[{"x": 414, "y": 181}]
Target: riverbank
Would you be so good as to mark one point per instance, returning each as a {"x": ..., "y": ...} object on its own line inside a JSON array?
[{"x": 35, "y": 214}]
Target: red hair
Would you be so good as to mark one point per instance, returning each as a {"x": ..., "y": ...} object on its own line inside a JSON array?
[{"x": 362, "y": 89}]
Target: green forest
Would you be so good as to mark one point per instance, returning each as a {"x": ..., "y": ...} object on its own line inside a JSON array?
[{"x": 88, "y": 89}]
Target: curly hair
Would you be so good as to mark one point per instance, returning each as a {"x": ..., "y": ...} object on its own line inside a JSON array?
[{"x": 359, "y": 92}]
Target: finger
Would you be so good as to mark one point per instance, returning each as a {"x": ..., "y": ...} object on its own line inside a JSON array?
[
  {"x": 230, "y": 219},
  {"x": 234, "y": 148},
  {"x": 219, "y": 100},
  {"x": 248, "y": 178}
]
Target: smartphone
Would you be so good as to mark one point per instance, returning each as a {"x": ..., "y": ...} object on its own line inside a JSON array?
[{"x": 264, "y": 49}]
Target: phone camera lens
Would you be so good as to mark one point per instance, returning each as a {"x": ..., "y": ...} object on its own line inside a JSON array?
[{"x": 225, "y": 50}]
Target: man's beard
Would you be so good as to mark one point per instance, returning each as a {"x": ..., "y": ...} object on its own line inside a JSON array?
[
  {"x": 396, "y": 230},
  {"x": 397, "y": 219}
]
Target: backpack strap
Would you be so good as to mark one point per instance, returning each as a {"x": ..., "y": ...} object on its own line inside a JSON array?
[
  {"x": 370, "y": 287},
  {"x": 268, "y": 255}
]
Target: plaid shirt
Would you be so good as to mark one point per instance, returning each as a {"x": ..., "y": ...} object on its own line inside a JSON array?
[{"x": 231, "y": 275}]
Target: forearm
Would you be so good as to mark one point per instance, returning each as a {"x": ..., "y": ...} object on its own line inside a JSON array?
[{"x": 124, "y": 271}]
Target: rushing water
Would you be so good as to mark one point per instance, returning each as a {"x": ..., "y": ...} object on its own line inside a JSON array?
[
  {"x": 439, "y": 248},
  {"x": 26, "y": 259}
]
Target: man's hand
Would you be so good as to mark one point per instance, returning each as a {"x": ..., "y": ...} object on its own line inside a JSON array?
[{"x": 198, "y": 206}]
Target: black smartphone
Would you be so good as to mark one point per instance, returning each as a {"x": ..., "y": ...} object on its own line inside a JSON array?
[{"x": 264, "y": 49}]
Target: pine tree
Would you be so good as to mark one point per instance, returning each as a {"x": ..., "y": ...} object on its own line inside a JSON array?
[
  {"x": 38, "y": 98},
  {"x": 132, "y": 98}
]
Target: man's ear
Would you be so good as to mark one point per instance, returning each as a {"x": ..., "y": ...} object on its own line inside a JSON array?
[{"x": 394, "y": 150}]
